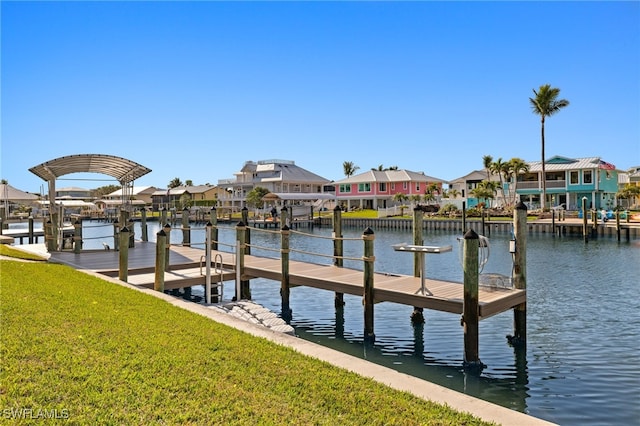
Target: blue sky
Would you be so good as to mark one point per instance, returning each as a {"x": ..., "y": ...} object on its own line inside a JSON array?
[{"x": 194, "y": 89}]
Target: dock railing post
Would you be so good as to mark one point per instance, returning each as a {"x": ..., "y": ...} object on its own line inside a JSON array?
[
  {"x": 77, "y": 236},
  {"x": 464, "y": 217},
  {"x": 213, "y": 219},
  {"x": 245, "y": 290},
  {"x": 143, "y": 224},
  {"x": 368, "y": 237},
  {"x": 618, "y": 224},
  {"x": 123, "y": 270},
  {"x": 161, "y": 249},
  {"x": 284, "y": 284},
  {"x": 519, "y": 278},
  {"x": 470, "y": 313},
  {"x": 417, "y": 317},
  {"x": 338, "y": 248},
  {"x": 186, "y": 228}
]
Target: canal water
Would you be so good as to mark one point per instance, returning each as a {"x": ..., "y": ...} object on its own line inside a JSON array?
[{"x": 581, "y": 364}]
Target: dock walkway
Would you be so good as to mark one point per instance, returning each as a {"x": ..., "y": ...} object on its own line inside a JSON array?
[{"x": 186, "y": 270}]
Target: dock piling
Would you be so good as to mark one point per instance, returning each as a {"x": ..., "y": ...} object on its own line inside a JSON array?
[
  {"x": 123, "y": 270},
  {"x": 284, "y": 284},
  {"x": 338, "y": 248},
  {"x": 519, "y": 278},
  {"x": 470, "y": 316},
  {"x": 161, "y": 249},
  {"x": 368, "y": 237}
]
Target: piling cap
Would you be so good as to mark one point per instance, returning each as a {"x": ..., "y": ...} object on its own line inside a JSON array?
[
  {"x": 368, "y": 231},
  {"x": 241, "y": 223},
  {"x": 284, "y": 228},
  {"x": 208, "y": 224},
  {"x": 521, "y": 206},
  {"x": 337, "y": 209},
  {"x": 124, "y": 229},
  {"x": 471, "y": 235}
]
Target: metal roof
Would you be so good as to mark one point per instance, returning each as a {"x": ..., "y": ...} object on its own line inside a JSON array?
[{"x": 123, "y": 170}]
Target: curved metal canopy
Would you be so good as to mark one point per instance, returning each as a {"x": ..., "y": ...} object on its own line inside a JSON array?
[{"x": 123, "y": 170}]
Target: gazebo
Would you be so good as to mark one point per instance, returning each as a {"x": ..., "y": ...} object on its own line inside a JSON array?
[{"x": 123, "y": 170}]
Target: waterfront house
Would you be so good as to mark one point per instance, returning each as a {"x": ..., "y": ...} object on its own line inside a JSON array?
[
  {"x": 136, "y": 196},
  {"x": 568, "y": 181},
  {"x": 630, "y": 177},
  {"x": 180, "y": 197},
  {"x": 376, "y": 188},
  {"x": 465, "y": 185},
  {"x": 277, "y": 176}
]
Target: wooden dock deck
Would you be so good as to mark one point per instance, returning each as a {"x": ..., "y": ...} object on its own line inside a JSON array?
[{"x": 185, "y": 271}]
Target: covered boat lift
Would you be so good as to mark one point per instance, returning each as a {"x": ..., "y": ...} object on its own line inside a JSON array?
[{"x": 123, "y": 170}]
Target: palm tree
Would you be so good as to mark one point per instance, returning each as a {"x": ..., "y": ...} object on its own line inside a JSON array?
[
  {"x": 175, "y": 182},
  {"x": 517, "y": 167},
  {"x": 486, "y": 162},
  {"x": 499, "y": 167},
  {"x": 349, "y": 168},
  {"x": 545, "y": 104}
]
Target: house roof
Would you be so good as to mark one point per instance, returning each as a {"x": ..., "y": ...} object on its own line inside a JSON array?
[
  {"x": 9, "y": 193},
  {"x": 389, "y": 176},
  {"x": 277, "y": 171},
  {"x": 135, "y": 191},
  {"x": 179, "y": 190},
  {"x": 559, "y": 163}
]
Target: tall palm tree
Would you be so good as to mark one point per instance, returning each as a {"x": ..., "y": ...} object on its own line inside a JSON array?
[
  {"x": 349, "y": 168},
  {"x": 486, "y": 162},
  {"x": 498, "y": 167},
  {"x": 545, "y": 103}
]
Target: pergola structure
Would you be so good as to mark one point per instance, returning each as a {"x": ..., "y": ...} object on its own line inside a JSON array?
[{"x": 123, "y": 170}]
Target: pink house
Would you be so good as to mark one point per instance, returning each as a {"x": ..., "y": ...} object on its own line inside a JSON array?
[{"x": 376, "y": 188}]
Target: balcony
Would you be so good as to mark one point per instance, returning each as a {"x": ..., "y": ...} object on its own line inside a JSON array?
[{"x": 537, "y": 185}]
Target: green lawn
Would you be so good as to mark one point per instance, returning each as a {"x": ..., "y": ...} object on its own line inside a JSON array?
[{"x": 100, "y": 353}]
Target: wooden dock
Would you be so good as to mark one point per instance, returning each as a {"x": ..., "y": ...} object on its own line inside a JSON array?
[{"x": 187, "y": 270}]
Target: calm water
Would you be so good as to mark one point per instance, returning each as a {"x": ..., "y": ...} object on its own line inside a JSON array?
[{"x": 582, "y": 361}]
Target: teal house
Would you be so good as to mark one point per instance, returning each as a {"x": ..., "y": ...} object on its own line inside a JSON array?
[{"x": 568, "y": 180}]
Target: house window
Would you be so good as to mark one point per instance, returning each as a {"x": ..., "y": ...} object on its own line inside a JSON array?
[
  {"x": 382, "y": 187},
  {"x": 393, "y": 186},
  {"x": 587, "y": 177},
  {"x": 364, "y": 187},
  {"x": 345, "y": 188},
  {"x": 574, "y": 179},
  {"x": 417, "y": 186},
  {"x": 404, "y": 185}
]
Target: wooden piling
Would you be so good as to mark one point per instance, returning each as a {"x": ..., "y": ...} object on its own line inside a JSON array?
[
  {"x": 213, "y": 219},
  {"x": 161, "y": 249},
  {"x": 123, "y": 270},
  {"x": 116, "y": 231},
  {"x": 143, "y": 224},
  {"x": 368, "y": 237},
  {"x": 470, "y": 320},
  {"x": 167, "y": 251},
  {"x": 585, "y": 222},
  {"x": 519, "y": 277},
  {"x": 417, "y": 317},
  {"x": 245, "y": 290},
  {"x": 186, "y": 228},
  {"x": 77, "y": 236},
  {"x": 285, "y": 290},
  {"x": 247, "y": 235},
  {"x": 618, "y": 224},
  {"x": 338, "y": 249},
  {"x": 284, "y": 217},
  {"x": 163, "y": 216},
  {"x": 31, "y": 230}
]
